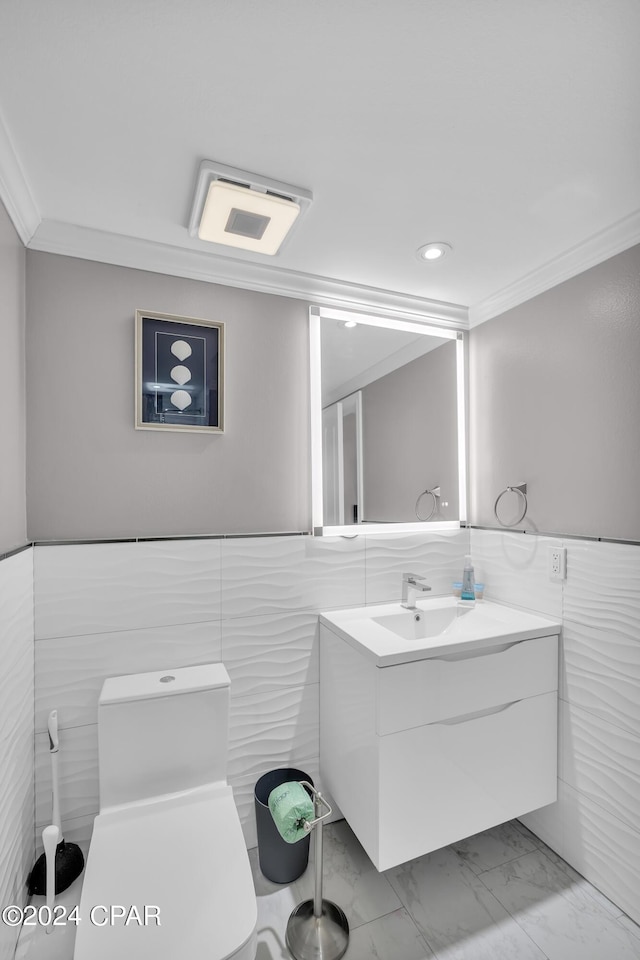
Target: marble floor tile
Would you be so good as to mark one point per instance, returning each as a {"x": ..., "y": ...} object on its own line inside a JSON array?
[
  {"x": 350, "y": 879},
  {"x": 494, "y": 847},
  {"x": 558, "y": 914},
  {"x": 457, "y": 915},
  {"x": 275, "y": 903},
  {"x": 520, "y": 827},
  {"x": 577, "y": 879},
  {"x": 533, "y": 907},
  {"x": 393, "y": 937}
]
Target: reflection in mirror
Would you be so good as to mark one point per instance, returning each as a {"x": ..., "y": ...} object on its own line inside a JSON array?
[{"x": 390, "y": 447}]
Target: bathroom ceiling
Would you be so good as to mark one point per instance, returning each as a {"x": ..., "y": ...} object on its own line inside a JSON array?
[{"x": 508, "y": 128}]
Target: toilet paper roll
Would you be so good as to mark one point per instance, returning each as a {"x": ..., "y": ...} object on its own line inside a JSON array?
[{"x": 290, "y": 806}]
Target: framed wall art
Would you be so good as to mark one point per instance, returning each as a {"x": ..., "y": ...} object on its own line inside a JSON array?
[{"x": 179, "y": 373}]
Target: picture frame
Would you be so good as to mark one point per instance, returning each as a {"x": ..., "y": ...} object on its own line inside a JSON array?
[{"x": 179, "y": 373}]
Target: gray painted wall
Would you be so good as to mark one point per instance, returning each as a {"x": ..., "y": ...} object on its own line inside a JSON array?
[
  {"x": 410, "y": 438},
  {"x": 554, "y": 398},
  {"x": 13, "y": 531},
  {"x": 555, "y": 401},
  {"x": 91, "y": 474}
]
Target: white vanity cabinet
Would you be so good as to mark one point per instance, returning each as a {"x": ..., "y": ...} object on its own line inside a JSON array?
[{"x": 425, "y": 752}]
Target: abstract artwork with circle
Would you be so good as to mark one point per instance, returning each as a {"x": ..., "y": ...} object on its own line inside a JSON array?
[{"x": 179, "y": 373}]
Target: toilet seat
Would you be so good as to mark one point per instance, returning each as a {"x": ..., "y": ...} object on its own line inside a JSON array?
[{"x": 183, "y": 853}]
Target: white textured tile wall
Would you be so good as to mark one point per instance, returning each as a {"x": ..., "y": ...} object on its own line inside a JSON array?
[
  {"x": 595, "y": 824},
  {"x": 78, "y": 774},
  {"x": 603, "y": 586},
  {"x": 70, "y": 671},
  {"x": 600, "y": 672},
  {"x": 265, "y": 575},
  {"x": 281, "y": 725},
  {"x": 268, "y": 653},
  {"x": 105, "y": 587},
  {"x": 513, "y": 568},
  {"x": 437, "y": 556},
  {"x": 16, "y": 735},
  {"x": 600, "y": 761},
  {"x": 109, "y": 609}
]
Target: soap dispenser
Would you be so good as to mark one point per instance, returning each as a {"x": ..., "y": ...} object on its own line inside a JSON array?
[{"x": 468, "y": 580}]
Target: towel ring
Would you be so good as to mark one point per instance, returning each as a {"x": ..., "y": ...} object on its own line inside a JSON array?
[
  {"x": 521, "y": 490},
  {"x": 435, "y": 493}
]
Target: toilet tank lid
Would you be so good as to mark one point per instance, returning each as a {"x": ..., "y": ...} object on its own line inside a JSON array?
[{"x": 164, "y": 683}]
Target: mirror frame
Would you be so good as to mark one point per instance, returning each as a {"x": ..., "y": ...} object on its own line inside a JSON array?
[{"x": 316, "y": 315}]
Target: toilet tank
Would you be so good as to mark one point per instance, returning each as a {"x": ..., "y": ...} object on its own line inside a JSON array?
[{"x": 162, "y": 732}]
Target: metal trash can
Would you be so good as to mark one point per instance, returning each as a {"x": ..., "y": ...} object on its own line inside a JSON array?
[{"x": 280, "y": 861}]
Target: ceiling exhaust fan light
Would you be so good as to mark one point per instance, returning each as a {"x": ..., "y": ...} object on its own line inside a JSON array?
[{"x": 241, "y": 217}]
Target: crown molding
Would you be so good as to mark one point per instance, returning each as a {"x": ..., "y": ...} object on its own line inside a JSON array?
[
  {"x": 70, "y": 240},
  {"x": 15, "y": 191},
  {"x": 596, "y": 249}
]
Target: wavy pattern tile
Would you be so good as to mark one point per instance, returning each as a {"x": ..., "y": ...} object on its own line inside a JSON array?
[
  {"x": 16, "y": 675},
  {"x": 600, "y": 672},
  {"x": 513, "y": 568},
  {"x": 16, "y": 817},
  {"x": 601, "y": 847},
  {"x": 70, "y": 671},
  {"x": 15, "y": 869},
  {"x": 16, "y": 643},
  {"x": 289, "y": 574},
  {"x": 603, "y": 586},
  {"x": 600, "y": 761},
  {"x": 268, "y": 653},
  {"x": 277, "y": 727},
  {"x": 437, "y": 556},
  {"x": 98, "y": 588},
  {"x": 16, "y": 689},
  {"x": 16, "y": 735},
  {"x": 78, "y": 767}
]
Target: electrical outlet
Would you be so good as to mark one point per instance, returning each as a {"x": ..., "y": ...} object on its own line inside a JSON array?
[{"x": 557, "y": 563}]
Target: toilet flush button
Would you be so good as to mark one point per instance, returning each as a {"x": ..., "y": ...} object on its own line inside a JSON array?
[{"x": 167, "y": 679}]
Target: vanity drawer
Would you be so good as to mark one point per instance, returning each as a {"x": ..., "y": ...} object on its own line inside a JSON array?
[
  {"x": 450, "y": 685},
  {"x": 452, "y": 779}
]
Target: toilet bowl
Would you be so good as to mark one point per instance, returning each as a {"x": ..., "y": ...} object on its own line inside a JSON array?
[{"x": 168, "y": 874}]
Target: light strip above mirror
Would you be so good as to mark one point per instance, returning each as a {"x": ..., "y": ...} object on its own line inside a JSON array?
[{"x": 316, "y": 315}]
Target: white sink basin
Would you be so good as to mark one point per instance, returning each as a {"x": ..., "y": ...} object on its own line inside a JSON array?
[
  {"x": 388, "y": 633},
  {"x": 422, "y": 623}
]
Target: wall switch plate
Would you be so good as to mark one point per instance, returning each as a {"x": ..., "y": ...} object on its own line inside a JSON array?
[{"x": 557, "y": 563}]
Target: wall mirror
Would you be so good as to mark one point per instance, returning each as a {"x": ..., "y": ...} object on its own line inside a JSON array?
[{"x": 387, "y": 424}]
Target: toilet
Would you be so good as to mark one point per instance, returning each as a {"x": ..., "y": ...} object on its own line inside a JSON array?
[{"x": 168, "y": 875}]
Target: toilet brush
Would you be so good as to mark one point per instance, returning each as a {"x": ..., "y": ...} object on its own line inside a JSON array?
[
  {"x": 50, "y": 838},
  {"x": 69, "y": 860}
]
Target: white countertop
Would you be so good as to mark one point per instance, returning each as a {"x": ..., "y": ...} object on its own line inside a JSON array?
[{"x": 485, "y": 624}]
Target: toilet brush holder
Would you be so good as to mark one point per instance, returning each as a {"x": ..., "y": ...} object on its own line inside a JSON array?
[{"x": 317, "y": 929}]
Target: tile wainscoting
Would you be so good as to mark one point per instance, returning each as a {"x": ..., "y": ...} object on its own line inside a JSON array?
[
  {"x": 16, "y": 736},
  {"x": 106, "y": 609},
  {"x": 594, "y": 824},
  {"x": 114, "y": 608}
]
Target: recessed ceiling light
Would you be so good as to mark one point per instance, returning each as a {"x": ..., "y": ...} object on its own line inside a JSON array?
[
  {"x": 241, "y": 209},
  {"x": 433, "y": 251},
  {"x": 349, "y": 324}
]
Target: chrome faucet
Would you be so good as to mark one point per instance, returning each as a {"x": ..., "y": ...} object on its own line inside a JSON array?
[{"x": 410, "y": 581}]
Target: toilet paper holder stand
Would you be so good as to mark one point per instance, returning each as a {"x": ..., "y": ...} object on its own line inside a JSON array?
[{"x": 318, "y": 927}]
